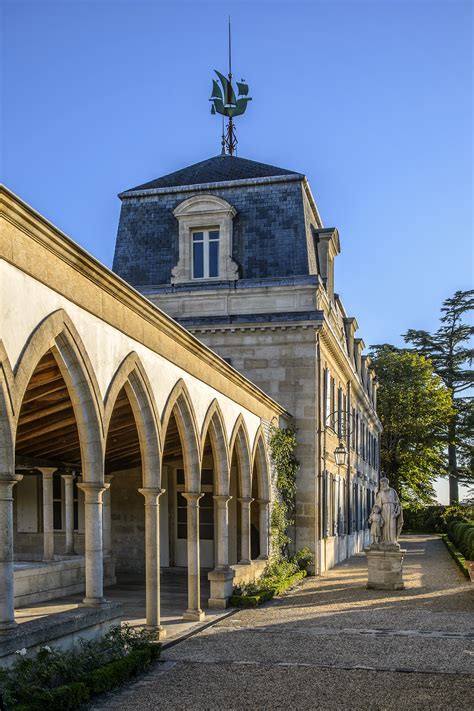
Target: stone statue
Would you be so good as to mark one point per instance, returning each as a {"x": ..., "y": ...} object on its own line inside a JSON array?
[
  {"x": 390, "y": 510},
  {"x": 376, "y": 523}
]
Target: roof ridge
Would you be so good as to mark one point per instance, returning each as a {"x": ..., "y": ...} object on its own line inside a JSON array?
[{"x": 216, "y": 169}]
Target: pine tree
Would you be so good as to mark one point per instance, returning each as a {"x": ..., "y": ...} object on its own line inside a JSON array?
[{"x": 449, "y": 350}]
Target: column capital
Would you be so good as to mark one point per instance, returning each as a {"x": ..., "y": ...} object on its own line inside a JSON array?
[
  {"x": 10, "y": 478},
  {"x": 222, "y": 499},
  {"x": 245, "y": 500},
  {"x": 7, "y": 482},
  {"x": 263, "y": 502},
  {"x": 151, "y": 495},
  {"x": 68, "y": 478},
  {"x": 108, "y": 478},
  {"x": 47, "y": 472},
  {"x": 192, "y": 497},
  {"x": 93, "y": 492}
]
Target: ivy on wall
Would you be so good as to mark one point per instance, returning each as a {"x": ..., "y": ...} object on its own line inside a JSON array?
[{"x": 282, "y": 448}]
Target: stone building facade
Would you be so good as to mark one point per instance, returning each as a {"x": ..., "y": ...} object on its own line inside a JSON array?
[
  {"x": 237, "y": 253},
  {"x": 128, "y": 450}
]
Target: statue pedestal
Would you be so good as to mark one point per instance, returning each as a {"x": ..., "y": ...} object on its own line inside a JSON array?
[{"x": 385, "y": 563}]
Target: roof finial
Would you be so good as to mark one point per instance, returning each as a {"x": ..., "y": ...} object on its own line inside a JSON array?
[{"x": 224, "y": 102}]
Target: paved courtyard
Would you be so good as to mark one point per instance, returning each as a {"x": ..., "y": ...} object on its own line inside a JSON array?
[{"x": 330, "y": 644}]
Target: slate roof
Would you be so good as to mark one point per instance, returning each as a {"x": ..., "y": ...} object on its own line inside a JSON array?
[{"x": 215, "y": 170}]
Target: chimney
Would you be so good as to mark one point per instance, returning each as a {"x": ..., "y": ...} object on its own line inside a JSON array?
[
  {"x": 350, "y": 327},
  {"x": 328, "y": 247}
]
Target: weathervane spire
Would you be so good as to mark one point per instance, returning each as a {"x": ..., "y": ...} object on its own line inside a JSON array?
[{"x": 226, "y": 103}]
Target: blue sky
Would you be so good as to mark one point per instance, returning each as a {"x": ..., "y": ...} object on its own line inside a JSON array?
[{"x": 371, "y": 100}]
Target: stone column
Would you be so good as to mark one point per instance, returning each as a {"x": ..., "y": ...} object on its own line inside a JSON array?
[
  {"x": 194, "y": 611},
  {"x": 222, "y": 528},
  {"x": 7, "y": 607},
  {"x": 107, "y": 517},
  {"x": 152, "y": 557},
  {"x": 246, "y": 556},
  {"x": 222, "y": 576},
  {"x": 48, "y": 523},
  {"x": 264, "y": 529},
  {"x": 69, "y": 511},
  {"x": 93, "y": 542}
]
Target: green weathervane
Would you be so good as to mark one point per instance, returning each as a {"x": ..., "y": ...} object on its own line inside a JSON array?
[{"x": 226, "y": 103}]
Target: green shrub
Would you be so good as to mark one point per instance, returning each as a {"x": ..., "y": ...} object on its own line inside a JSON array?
[
  {"x": 52, "y": 675},
  {"x": 461, "y": 534},
  {"x": 304, "y": 559}
]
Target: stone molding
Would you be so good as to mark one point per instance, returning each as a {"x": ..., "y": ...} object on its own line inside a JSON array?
[{"x": 204, "y": 211}]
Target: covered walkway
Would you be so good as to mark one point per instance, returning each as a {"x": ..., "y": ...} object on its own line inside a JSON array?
[{"x": 130, "y": 593}]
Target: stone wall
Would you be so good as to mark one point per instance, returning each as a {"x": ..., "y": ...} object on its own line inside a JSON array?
[
  {"x": 128, "y": 522},
  {"x": 283, "y": 363}
]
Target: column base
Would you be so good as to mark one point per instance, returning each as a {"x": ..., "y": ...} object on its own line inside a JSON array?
[
  {"x": 244, "y": 561},
  {"x": 194, "y": 615},
  {"x": 263, "y": 557},
  {"x": 222, "y": 585},
  {"x": 93, "y": 602},
  {"x": 6, "y": 627},
  {"x": 159, "y": 629}
]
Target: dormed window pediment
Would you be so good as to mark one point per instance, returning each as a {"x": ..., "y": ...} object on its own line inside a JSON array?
[{"x": 205, "y": 215}]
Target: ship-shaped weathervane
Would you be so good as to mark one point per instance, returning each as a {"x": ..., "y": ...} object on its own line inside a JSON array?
[{"x": 226, "y": 102}]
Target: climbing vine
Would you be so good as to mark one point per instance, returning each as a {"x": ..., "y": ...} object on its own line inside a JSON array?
[{"x": 282, "y": 447}]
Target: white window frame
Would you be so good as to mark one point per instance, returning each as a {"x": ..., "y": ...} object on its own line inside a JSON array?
[{"x": 206, "y": 250}]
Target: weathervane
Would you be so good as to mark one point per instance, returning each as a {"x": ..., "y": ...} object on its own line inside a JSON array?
[{"x": 226, "y": 103}]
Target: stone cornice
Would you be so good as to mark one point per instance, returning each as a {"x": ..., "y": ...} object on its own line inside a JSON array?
[
  {"x": 200, "y": 187},
  {"x": 113, "y": 293}
]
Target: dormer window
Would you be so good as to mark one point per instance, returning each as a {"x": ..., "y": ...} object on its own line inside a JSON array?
[{"x": 205, "y": 254}]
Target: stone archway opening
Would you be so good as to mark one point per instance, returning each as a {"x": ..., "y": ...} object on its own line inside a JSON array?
[
  {"x": 123, "y": 514},
  {"x": 48, "y": 510}
]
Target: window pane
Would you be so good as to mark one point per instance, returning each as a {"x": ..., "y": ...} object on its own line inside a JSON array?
[
  {"x": 56, "y": 486},
  {"x": 213, "y": 259},
  {"x": 206, "y": 478},
  {"x": 182, "y": 531},
  {"x": 206, "y": 532},
  {"x": 214, "y": 234},
  {"x": 198, "y": 236},
  {"x": 198, "y": 260}
]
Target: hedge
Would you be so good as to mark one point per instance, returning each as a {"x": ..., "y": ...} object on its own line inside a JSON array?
[
  {"x": 457, "y": 557},
  {"x": 461, "y": 534},
  {"x": 266, "y": 593}
]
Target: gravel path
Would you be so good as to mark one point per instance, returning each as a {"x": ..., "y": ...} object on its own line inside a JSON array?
[{"x": 330, "y": 644}]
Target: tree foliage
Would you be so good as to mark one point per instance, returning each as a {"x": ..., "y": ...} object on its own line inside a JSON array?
[
  {"x": 415, "y": 408},
  {"x": 451, "y": 353}
]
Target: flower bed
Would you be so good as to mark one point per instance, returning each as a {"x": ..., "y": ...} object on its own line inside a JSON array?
[
  {"x": 265, "y": 594},
  {"x": 278, "y": 576},
  {"x": 55, "y": 679}
]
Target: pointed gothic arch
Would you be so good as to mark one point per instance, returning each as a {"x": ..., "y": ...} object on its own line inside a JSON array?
[
  {"x": 132, "y": 377},
  {"x": 7, "y": 447},
  {"x": 179, "y": 404},
  {"x": 261, "y": 464},
  {"x": 57, "y": 333},
  {"x": 239, "y": 441},
  {"x": 214, "y": 426}
]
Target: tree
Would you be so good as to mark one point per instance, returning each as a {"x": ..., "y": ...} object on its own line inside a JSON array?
[
  {"x": 449, "y": 350},
  {"x": 415, "y": 408}
]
